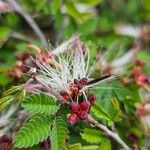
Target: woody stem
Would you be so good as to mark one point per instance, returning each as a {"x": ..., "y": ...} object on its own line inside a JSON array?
[{"x": 110, "y": 133}]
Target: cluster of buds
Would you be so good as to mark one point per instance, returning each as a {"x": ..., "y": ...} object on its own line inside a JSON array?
[
  {"x": 74, "y": 89},
  {"x": 17, "y": 70},
  {"x": 141, "y": 78},
  {"x": 80, "y": 111}
]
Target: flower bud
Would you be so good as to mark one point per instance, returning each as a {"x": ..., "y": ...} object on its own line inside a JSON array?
[
  {"x": 83, "y": 115},
  {"x": 72, "y": 118},
  {"x": 65, "y": 96},
  {"x": 84, "y": 105},
  {"x": 91, "y": 98},
  {"x": 74, "y": 107}
]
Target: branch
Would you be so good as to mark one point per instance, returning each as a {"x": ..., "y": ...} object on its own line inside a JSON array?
[
  {"x": 30, "y": 21},
  {"x": 51, "y": 91},
  {"x": 21, "y": 36},
  {"x": 110, "y": 133}
]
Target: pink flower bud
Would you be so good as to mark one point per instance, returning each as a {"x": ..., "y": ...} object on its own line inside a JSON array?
[
  {"x": 83, "y": 115},
  {"x": 91, "y": 98},
  {"x": 72, "y": 118},
  {"x": 74, "y": 107},
  {"x": 84, "y": 105}
]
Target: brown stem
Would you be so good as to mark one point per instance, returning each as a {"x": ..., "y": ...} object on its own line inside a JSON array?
[
  {"x": 105, "y": 76},
  {"x": 110, "y": 133}
]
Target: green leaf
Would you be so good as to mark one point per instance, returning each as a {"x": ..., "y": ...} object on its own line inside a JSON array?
[
  {"x": 13, "y": 90},
  {"x": 40, "y": 4},
  {"x": 90, "y": 147},
  {"x": 4, "y": 79},
  {"x": 76, "y": 146},
  {"x": 100, "y": 113},
  {"x": 116, "y": 109},
  {"x": 126, "y": 94},
  {"x": 59, "y": 134},
  {"x": 40, "y": 103},
  {"x": 91, "y": 2},
  {"x": 55, "y": 6},
  {"x": 105, "y": 144},
  {"x": 4, "y": 33},
  {"x": 34, "y": 131},
  {"x": 113, "y": 50},
  {"x": 92, "y": 135},
  {"x": 73, "y": 12},
  {"x": 5, "y": 101}
]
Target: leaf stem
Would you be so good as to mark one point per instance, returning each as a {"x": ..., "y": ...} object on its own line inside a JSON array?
[{"x": 110, "y": 133}]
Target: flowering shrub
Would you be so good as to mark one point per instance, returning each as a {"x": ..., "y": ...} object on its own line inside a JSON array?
[
  {"x": 79, "y": 95},
  {"x": 62, "y": 92}
]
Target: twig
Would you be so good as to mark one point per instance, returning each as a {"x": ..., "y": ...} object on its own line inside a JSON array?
[
  {"x": 52, "y": 91},
  {"x": 20, "y": 36},
  {"x": 105, "y": 76},
  {"x": 30, "y": 21},
  {"x": 108, "y": 132}
]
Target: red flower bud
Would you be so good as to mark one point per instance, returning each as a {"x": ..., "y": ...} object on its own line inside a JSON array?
[
  {"x": 65, "y": 96},
  {"x": 91, "y": 98},
  {"x": 83, "y": 115},
  {"x": 72, "y": 118},
  {"x": 83, "y": 81},
  {"x": 84, "y": 105},
  {"x": 74, "y": 107}
]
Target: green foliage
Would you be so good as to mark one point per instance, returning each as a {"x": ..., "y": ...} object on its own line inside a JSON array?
[
  {"x": 13, "y": 90},
  {"x": 14, "y": 93},
  {"x": 4, "y": 33},
  {"x": 40, "y": 103},
  {"x": 4, "y": 79},
  {"x": 90, "y": 147},
  {"x": 34, "y": 131},
  {"x": 5, "y": 101},
  {"x": 59, "y": 134},
  {"x": 78, "y": 146},
  {"x": 73, "y": 12},
  {"x": 93, "y": 2},
  {"x": 92, "y": 135},
  {"x": 100, "y": 113},
  {"x": 144, "y": 56},
  {"x": 128, "y": 95},
  {"x": 55, "y": 6},
  {"x": 95, "y": 136},
  {"x": 116, "y": 109},
  {"x": 105, "y": 144}
]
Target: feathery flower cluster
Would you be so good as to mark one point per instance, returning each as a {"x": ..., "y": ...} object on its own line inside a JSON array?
[{"x": 68, "y": 77}]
